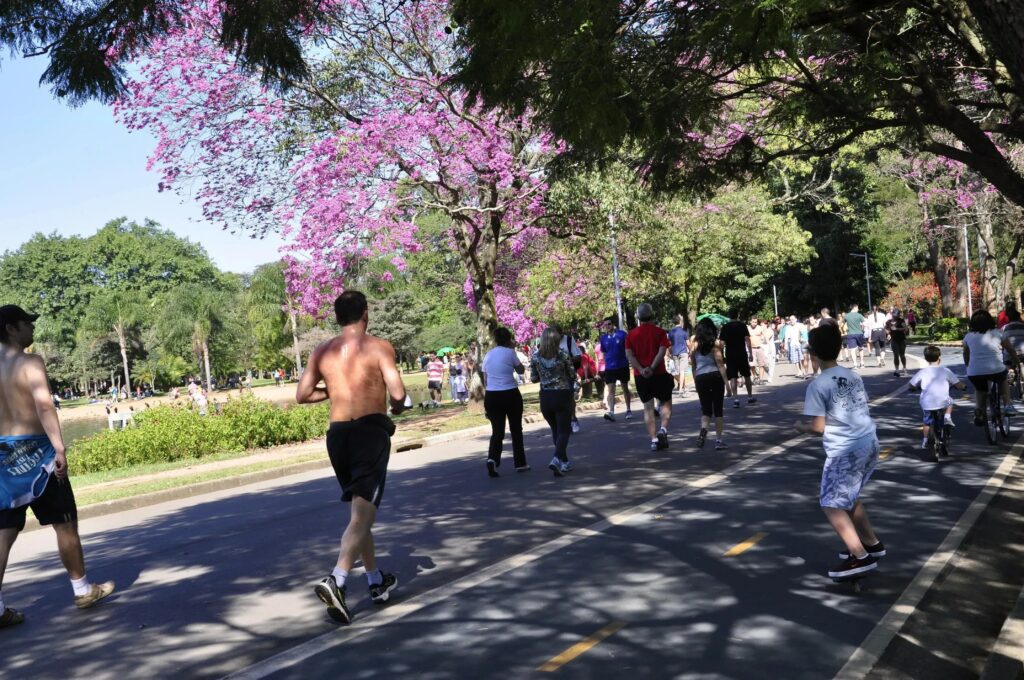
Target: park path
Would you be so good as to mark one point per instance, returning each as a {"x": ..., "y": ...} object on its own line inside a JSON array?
[{"x": 687, "y": 563}]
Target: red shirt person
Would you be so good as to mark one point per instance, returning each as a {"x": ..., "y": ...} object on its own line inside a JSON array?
[{"x": 646, "y": 346}]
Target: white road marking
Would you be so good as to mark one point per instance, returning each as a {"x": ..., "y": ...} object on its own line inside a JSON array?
[{"x": 399, "y": 610}]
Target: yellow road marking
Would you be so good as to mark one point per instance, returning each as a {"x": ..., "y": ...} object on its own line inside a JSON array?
[
  {"x": 745, "y": 545},
  {"x": 580, "y": 647},
  {"x": 884, "y": 454}
]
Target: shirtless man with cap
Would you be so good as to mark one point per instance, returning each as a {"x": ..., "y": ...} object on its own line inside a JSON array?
[
  {"x": 359, "y": 372},
  {"x": 33, "y": 462}
]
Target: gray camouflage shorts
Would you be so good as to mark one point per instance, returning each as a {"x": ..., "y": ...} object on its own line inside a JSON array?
[{"x": 844, "y": 477}]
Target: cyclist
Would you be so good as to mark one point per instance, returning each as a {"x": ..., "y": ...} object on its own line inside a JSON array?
[
  {"x": 983, "y": 356},
  {"x": 934, "y": 382}
]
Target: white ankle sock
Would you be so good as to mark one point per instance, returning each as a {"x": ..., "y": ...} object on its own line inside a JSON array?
[
  {"x": 375, "y": 577},
  {"x": 339, "y": 575},
  {"x": 81, "y": 586}
]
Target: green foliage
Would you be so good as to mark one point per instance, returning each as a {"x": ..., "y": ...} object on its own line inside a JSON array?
[
  {"x": 170, "y": 433},
  {"x": 950, "y": 328}
]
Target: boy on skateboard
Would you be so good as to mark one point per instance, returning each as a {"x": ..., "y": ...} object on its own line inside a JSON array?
[{"x": 838, "y": 407}]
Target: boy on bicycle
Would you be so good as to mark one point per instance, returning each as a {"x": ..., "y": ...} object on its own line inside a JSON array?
[{"x": 933, "y": 381}]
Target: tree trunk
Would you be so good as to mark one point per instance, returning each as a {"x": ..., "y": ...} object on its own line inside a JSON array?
[
  {"x": 295, "y": 343},
  {"x": 963, "y": 281},
  {"x": 941, "y": 276},
  {"x": 1002, "y": 22},
  {"x": 206, "y": 365},
  {"x": 1010, "y": 271},
  {"x": 122, "y": 343}
]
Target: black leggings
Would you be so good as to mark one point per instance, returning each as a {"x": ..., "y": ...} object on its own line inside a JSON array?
[
  {"x": 499, "y": 406},
  {"x": 899, "y": 351},
  {"x": 711, "y": 392},
  {"x": 556, "y": 406}
]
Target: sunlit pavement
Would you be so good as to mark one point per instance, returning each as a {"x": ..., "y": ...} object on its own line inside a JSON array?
[{"x": 684, "y": 563}]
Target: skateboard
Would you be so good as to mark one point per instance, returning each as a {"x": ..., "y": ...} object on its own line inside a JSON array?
[{"x": 856, "y": 581}]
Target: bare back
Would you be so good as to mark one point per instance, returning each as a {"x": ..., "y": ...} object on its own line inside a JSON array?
[
  {"x": 21, "y": 375},
  {"x": 358, "y": 370}
]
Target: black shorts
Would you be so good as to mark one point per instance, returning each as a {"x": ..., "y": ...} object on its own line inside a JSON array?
[
  {"x": 55, "y": 506},
  {"x": 736, "y": 365},
  {"x": 854, "y": 340},
  {"x": 658, "y": 386},
  {"x": 610, "y": 376},
  {"x": 359, "y": 451},
  {"x": 981, "y": 382},
  {"x": 434, "y": 385}
]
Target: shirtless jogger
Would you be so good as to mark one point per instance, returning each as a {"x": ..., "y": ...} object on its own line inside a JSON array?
[
  {"x": 33, "y": 464},
  {"x": 359, "y": 371}
]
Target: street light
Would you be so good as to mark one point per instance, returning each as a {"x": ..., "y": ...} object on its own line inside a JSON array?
[
  {"x": 967, "y": 266},
  {"x": 867, "y": 275}
]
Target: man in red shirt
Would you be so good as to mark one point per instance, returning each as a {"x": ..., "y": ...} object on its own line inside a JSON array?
[{"x": 645, "y": 349}]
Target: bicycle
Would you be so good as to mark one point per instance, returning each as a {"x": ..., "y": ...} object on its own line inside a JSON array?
[
  {"x": 998, "y": 421},
  {"x": 939, "y": 435},
  {"x": 1016, "y": 384}
]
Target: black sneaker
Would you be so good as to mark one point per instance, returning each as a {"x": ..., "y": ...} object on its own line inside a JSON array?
[
  {"x": 380, "y": 592},
  {"x": 334, "y": 597},
  {"x": 492, "y": 468},
  {"x": 609, "y": 417},
  {"x": 701, "y": 437},
  {"x": 662, "y": 439},
  {"x": 877, "y": 550},
  {"x": 853, "y": 566},
  {"x": 523, "y": 468},
  {"x": 735, "y": 403},
  {"x": 751, "y": 400}
]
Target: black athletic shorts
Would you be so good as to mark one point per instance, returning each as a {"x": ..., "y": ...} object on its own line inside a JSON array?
[
  {"x": 981, "y": 382},
  {"x": 433, "y": 384},
  {"x": 737, "y": 365},
  {"x": 55, "y": 506},
  {"x": 658, "y": 386},
  {"x": 359, "y": 451},
  {"x": 610, "y": 376}
]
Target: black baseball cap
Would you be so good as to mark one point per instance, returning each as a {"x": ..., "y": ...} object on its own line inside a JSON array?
[{"x": 13, "y": 314}]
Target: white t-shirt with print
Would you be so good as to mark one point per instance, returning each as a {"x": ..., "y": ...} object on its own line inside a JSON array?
[
  {"x": 839, "y": 395},
  {"x": 934, "y": 382}
]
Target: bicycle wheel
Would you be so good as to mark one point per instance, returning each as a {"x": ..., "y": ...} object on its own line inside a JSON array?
[
  {"x": 944, "y": 444},
  {"x": 933, "y": 445},
  {"x": 1017, "y": 386},
  {"x": 992, "y": 422}
]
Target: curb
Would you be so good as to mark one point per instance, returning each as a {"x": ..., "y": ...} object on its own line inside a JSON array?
[
  {"x": 1006, "y": 662},
  {"x": 234, "y": 481}
]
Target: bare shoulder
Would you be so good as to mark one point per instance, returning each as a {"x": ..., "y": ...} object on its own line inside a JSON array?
[
  {"x": 381, "y": 346},
  {"x": 31, "y": 363}
]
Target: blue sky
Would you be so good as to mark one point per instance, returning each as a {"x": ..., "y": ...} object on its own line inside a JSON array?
[{"x": 73, "y": 170}]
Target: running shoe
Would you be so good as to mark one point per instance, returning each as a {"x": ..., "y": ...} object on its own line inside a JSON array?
[
  {"x": 735, "y": 403},
  {"x": 1009, "y": 410},
  {"x": 662, "y": 438},
  {"x": 381, "y": 592},
  {"x": 492, "y": 468},
  {"x": 877, "y": 550},
  {"x": 949, "y": 421},
  {"x": 751, "y": 400},
  {"x": 896, "y": 373},
  {"x": 654, "y": 445},
  {"x": 334, "y": 597},
  {"x": 719, "y": 444},
  {"x": 924, "y": 443},
  {"x": 851, "y": 566},
  {"x": 575, "y": 426},
  {"x": 523, "y": 468},
  {"x": 701, "y": 438},
  {"x": 629, "y": 415},
  {"x": 556, "y": 466},
  {"x": 567, "y": 466},
  {"x": 97, "y": 592},
  {"x": 609, "y": 417}
]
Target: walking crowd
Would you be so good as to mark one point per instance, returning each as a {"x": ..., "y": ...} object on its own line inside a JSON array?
[{"x": 357, "y": 373}]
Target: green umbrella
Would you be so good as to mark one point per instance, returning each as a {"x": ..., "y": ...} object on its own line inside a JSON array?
[
  {"x": 445, "y": 350},
  {"x": 716, "y": 319}
]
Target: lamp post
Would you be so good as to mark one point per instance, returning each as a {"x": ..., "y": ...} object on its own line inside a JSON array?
[
  {"x": 615, "y": 272},
  {"x": 867, "y": 275},
  {"x": 967, "y": 266}
]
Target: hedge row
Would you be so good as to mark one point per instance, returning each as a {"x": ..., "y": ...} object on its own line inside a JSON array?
[{"x": 169, "y": 433}]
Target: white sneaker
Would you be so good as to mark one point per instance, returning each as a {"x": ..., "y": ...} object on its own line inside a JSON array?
[
  {"x": 566, "y": 466},
  {"x": 575, "y": 426},
  {"x": 629, "y": 415},
  {"x": 949, "y": 421},
  {"x": 924, "y": 443}
]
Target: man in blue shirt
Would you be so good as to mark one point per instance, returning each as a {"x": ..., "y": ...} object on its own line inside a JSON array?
[
  {"x": 680, "y": 352},
  {"x": 616, "y": 366}
]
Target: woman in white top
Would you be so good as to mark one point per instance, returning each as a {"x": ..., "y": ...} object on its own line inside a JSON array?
[
  {"x": 502, "y": 401},
  {"x": 983, "y": 356}
]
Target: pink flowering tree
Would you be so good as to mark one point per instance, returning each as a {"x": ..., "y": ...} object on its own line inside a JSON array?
[{"x": 344, "y": 162}]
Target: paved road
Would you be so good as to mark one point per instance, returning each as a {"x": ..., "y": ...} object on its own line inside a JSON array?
[{"x": 504, "y": 577}]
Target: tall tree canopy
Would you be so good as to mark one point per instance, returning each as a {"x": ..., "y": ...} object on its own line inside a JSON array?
[
  {"x": 88, "y": 41},
  {"x": 713, "y": 89}
]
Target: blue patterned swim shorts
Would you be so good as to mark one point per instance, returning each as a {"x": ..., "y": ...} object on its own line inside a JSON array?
[{"x": 844, "y": 476}]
